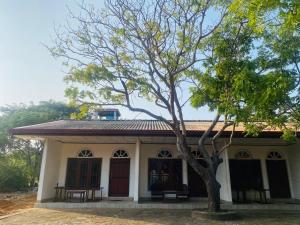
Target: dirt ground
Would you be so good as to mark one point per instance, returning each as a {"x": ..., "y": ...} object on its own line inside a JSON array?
[
  {"x": 143, "y": 216},
  {"x": 14, "y": 202},
  {"x": 22, "y": 213}
]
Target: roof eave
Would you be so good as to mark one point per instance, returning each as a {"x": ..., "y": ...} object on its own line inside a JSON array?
[{"x": 120, "y": 132}]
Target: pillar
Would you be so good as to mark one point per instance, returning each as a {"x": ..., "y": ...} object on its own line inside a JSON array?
[
  {"x": 184, "y": 172},
  {"x": 136, "y": 170}
]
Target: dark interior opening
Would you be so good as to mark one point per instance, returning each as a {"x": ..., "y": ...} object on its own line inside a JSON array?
[
  {"x": 278, "y": 179},
  {"x": 196, "y": 185},
  {"x": 245, "y": 175},
  {"x": 164, "y": 174}
]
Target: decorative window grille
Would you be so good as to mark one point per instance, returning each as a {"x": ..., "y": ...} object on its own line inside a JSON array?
[
  {"x": 197, "y": 154},
  {"x": 120, "y": 154},
  {"x": 164, "y": 154},
  {"x": 243, "y": 154},
  {"x": 85, "y": 153},
  {"x": 274, "y": 156}
]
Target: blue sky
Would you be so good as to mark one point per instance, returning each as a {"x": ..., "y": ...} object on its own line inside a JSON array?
[{"x": 28, "y": 73}]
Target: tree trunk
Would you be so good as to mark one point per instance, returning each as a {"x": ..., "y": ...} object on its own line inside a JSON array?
[
  {"x": 213, "y": 192},
  {"x": 208, "y": 174}
]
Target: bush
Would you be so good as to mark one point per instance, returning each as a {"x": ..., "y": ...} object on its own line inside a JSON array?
[{"x": 13, "y": 174}]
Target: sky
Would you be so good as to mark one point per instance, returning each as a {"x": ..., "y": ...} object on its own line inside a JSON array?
[{"x": 28, "y": 73}]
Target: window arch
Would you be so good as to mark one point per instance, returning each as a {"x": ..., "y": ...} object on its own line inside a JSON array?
[
  {"x": 164, "y": 154},
  {"x": 243, "y": 154},
  {"x": 274, "y": 156},
  {"x": 120, "y": 154},
  {"x": 197, "y": 154},
  {"x": 85, "y": 153}
]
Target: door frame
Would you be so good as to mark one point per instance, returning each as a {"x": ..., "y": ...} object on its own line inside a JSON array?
[
  {"x": 284, "y": 157},
  {"x": 109, "y": 177},
  {"x": 288, "y": 178}
]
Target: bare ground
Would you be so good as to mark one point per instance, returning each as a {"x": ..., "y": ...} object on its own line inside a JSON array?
[
  {"x": 19, "y": 206},
  {"x": 14, "y": 202},
  {"x": 144, "y": 216}
]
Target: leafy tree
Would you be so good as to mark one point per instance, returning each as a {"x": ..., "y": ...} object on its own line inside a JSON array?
[
  {"x": 276, "y": 25},
  {"x": 20, "y": 156},
  {"x": 156, "y": 51},
  {"x": 13, "y": 173}
]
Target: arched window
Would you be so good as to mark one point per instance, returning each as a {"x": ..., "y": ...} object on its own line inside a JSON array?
[
  {"x": 274, "y": 156},
  {"x": 85, "y": 153},
  {"x": 197, "y": 154},
  {"x": 243, "y": 154},
  {"x": 120, "y": 154},
  {"x": 164, "y": 154}
]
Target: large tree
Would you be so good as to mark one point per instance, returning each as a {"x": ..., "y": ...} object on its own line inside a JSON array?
[
  {"x": 159, "y": 51},
  {"x": 15, "y": 152}
]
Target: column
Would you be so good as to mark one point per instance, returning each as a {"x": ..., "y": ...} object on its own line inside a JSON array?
[
  {"x": 50, "y": 168},
  {"x": 42, "y": 172},
  {"x": 136, "y": 170},
  {"x": 265, "y": 176},
  {"x": 223, "y": 176},
  {"x": 184, "y": 172}
]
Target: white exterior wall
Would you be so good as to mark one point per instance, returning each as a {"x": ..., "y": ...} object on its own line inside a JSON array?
[
  {"x": 104, "y": 151},
  {"x": 55, "y": 157},
  {"x": 49, "y": 170},
  {"x": 294, "y": 164}
]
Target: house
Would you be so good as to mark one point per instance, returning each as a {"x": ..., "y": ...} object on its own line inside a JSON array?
[{"x": 126, "y": 159}]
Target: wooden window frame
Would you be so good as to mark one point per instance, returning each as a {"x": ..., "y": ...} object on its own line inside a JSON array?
[{"x": 89, "y": 175}]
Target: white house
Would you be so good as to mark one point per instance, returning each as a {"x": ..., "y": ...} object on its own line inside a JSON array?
[{"x": 127, "y": 159}]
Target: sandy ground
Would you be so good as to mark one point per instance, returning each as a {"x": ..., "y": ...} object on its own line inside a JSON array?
[
  {"x": 38, "y": 216},
  {"x": 14, "y": 202},
  {"x": 19, "y": 206}
]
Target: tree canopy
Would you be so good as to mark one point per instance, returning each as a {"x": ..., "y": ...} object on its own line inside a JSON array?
[{"x": 20, "y": 160}]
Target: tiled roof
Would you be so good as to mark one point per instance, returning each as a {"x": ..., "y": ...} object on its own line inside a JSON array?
[{"x": 117, "y": 127}]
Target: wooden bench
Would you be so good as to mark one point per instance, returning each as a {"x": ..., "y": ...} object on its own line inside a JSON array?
[{"x": 82, "y": 194}]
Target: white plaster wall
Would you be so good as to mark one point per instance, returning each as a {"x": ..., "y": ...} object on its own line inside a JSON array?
[
  {"x": 50, "y": 170},
  {"x": 294, "y": 163},
  {"x": 103, "y": 151}
]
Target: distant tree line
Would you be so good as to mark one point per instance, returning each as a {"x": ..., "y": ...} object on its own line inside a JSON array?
[{"x": 20, "y": 159}]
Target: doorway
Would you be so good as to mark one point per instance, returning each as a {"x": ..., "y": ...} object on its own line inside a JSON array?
[
  {"x": 119, "y": 177},
  {"x": 278, "y": 179},
  {"x": 196, "y": 185},
  {"x": 245, "y": 175}
]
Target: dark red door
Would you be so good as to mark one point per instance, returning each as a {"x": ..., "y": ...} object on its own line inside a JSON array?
[{"x": 119, "y": 177}]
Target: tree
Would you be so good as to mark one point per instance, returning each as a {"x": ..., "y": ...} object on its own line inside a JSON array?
[
  {"x": 156, "y": 51},
  {"x": 20, "y": 156},
  {"x": 277, "y": 25}
]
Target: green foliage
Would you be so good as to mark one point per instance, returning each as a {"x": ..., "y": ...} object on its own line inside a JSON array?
[
  {"x": 19, "y": 159},
  {"x": 252, "y": 73},
  {"x": 13, "y": 174},
  {"x": 289, "y": 135}
]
